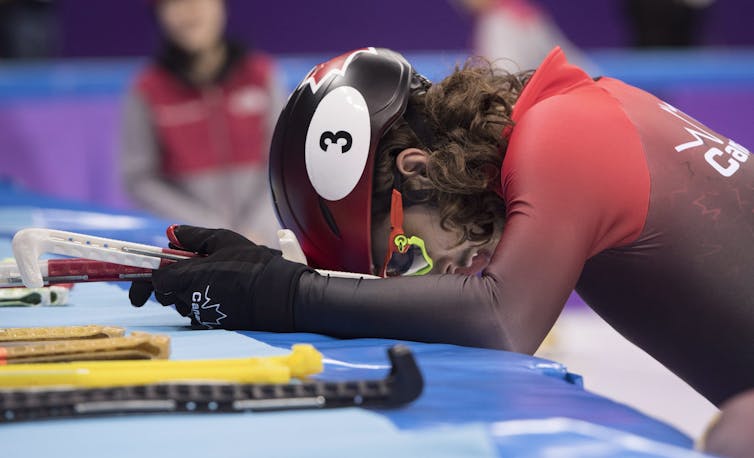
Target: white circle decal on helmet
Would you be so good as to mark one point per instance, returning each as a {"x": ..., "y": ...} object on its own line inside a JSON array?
[{"x": 337, "y": 143}]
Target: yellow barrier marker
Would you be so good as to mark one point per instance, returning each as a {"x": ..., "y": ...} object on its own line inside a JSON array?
[{"x": 303, "y": 361}]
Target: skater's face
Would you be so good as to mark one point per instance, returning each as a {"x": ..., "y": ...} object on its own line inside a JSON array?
[
  {"x": 424, "y": 221},
  {"x": 192, "y": 25},
  {"x": 442, "y": 245}
]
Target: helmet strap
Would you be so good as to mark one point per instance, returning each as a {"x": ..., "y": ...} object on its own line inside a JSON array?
[{"x": 396, "y": 226}]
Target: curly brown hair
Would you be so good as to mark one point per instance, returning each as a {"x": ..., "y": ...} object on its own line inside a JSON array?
[{"x": 467, "y": 112}]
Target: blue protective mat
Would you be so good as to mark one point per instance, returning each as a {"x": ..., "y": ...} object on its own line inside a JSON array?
[
  {"x": 346, "y": 432},
  {"x": 476, "y": 402}
]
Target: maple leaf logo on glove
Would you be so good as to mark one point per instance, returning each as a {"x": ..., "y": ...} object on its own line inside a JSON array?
[{"x": 204, "y": 311}]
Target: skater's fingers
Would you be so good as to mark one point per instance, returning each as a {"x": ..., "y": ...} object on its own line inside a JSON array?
[
  {"x": 172, "y": 277},
  {"x": 139, "y": 292},
  {"x": 205, "y": 241},
  {"x": 166, "y": 298},
  {"x": 183, "y": 308}
]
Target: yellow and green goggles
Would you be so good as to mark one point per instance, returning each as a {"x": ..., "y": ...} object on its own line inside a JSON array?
[{"x": 405, "y": 255}]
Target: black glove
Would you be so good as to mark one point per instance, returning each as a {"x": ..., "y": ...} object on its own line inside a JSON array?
[
  {"x": 203, "y": 239},
  {"x": 237, "y": 285}
]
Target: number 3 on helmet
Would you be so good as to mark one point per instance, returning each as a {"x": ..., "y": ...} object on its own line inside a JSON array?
[{"x": 323, "y": 153}]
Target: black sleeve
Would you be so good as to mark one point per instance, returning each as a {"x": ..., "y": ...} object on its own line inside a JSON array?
[
  {"x": 436, "y": 308},
  {"x": 511, "y": 306}
]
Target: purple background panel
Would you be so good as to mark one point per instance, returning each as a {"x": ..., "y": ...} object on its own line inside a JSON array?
[
  {"x": 63, "y": 147},
  {"x": 127, "y": 28}
]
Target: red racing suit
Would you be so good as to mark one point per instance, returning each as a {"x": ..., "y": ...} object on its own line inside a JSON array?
[{"x": 648, "y": 214}]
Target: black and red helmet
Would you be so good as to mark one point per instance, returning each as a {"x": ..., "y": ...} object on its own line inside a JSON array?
[{"x": 323, "y": 153}]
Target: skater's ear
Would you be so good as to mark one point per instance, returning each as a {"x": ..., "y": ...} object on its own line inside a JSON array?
[{"x": 412, "y": 162}]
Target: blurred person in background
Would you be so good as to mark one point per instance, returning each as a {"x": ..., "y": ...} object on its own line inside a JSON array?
[
  {"x": 517, "y": 35},
  {"x": 198, "y": 122},
  {"x": 28, "y": 29},
  {"x": 666, "y": 23}
]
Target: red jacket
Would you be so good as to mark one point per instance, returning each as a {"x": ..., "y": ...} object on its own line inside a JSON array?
[
  {"x": 198, "y": 154},
  {"x": 212, "y": 127}
]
